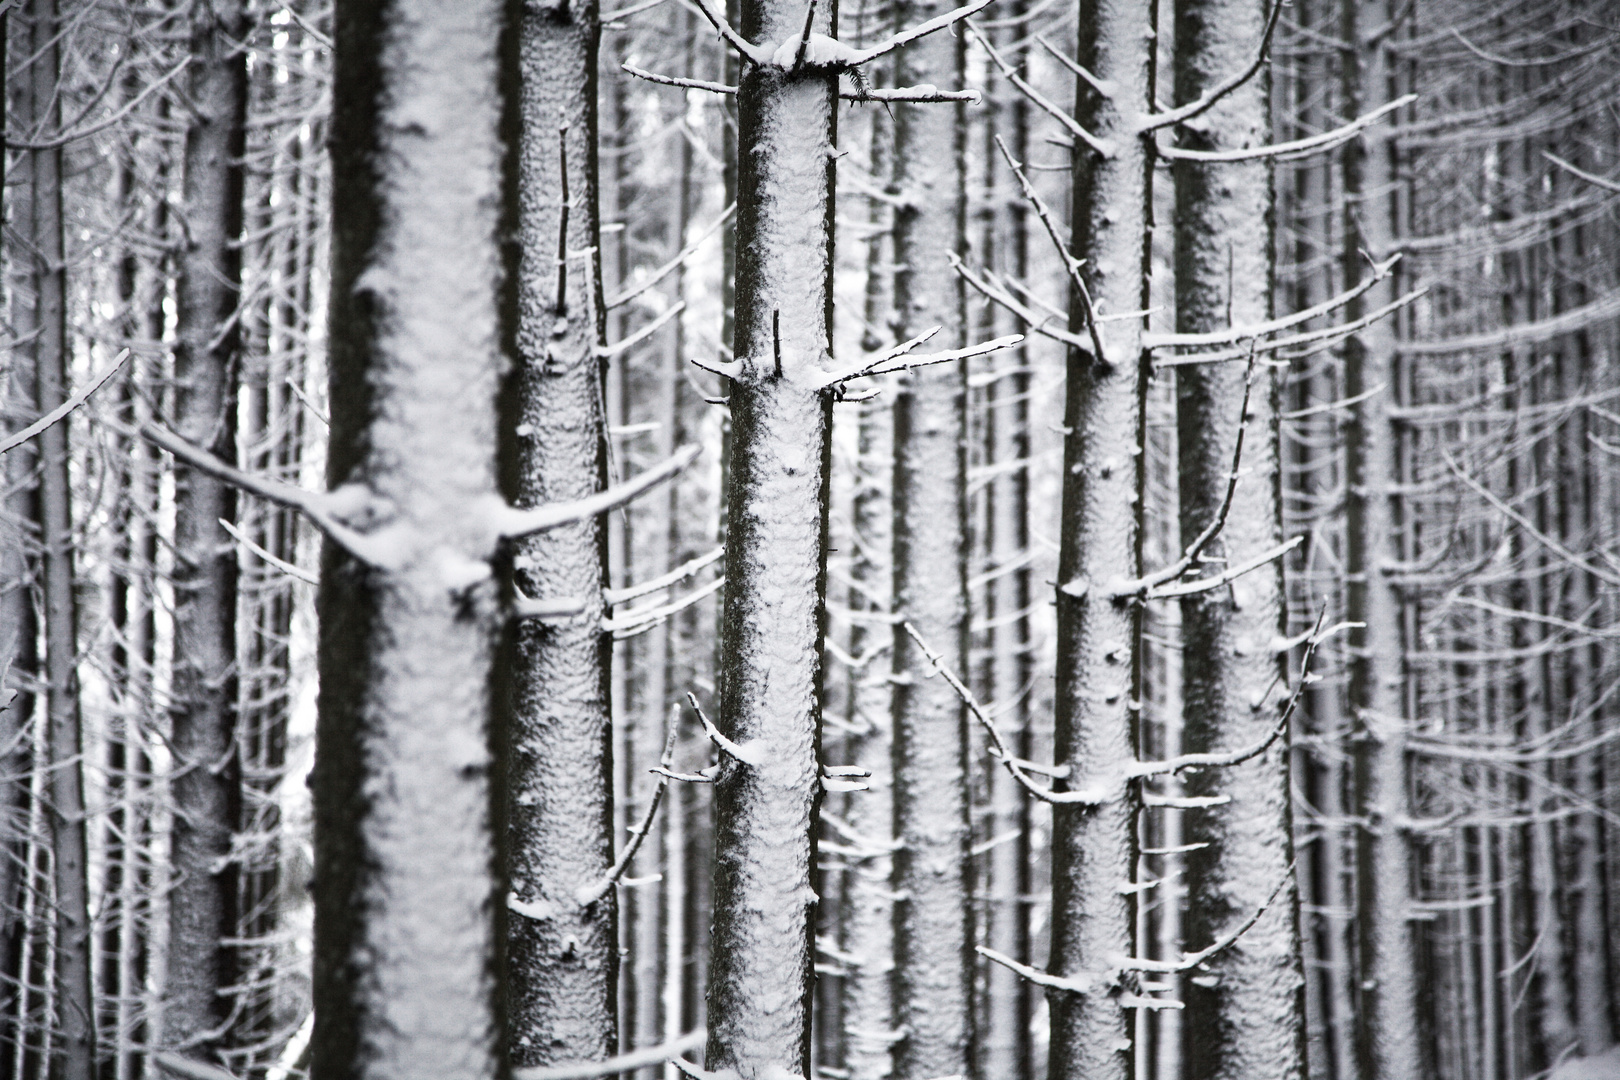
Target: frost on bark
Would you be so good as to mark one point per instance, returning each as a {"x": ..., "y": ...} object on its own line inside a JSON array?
[
  {"x": 562, "y": 953},
  {"x": 407, "y": 877},
  {"x": 1244, "y": 1013},
  {"x": 1094, "y": 843},
  {"x": 932, "y": 916},
  {"x": 206, "y": 782},
  {"x": 43, "y": 326},
  {"x": 1386, "y": 1035},
  {"x": 760, "y": 973}
]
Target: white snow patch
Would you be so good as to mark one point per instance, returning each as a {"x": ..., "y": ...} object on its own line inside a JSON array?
[
  {"x": 820, "y": 51},
  {"x": 537, "y": 910}
]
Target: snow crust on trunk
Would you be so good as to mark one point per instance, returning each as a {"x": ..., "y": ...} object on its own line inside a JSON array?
[
  {"x": 1094, "y": 846},
  {"x": 1243, "y": 1007},
  {"x": 760, "y": 962},
  {"x": 932, "y": 917},
  {"x": 561, "y": 965},
  {"x": 406, "y": 869}
]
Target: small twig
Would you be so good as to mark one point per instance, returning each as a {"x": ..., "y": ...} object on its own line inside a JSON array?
[
  {"x": 527, "y": 607},
  {"x": 686, "y": 253},
  {"x": 613, "y": 597},
  {"x": 290, "y": 569},
  {"x": 677, "y": 80},
  {"x": 1069, "y": 261},
  {"x": 608, "y": 352},
  {"x": 79, "y": 397},
  {"x": 513, "y": 523},
  {"x": 589, "y": 894},
  {"x": 1179, "y": 589},
  {"x": 747, "y": 49},
  {"x": 561, "y": 307},
  {"x": 998, "y": 745},
  {"x": 1190, "y": 961},
  {"x": 804, "y": 38},
  {"x": 746, "y": 754},
  {"x": 1327, "y": 140},
  {"x": 1061, "y": 115},
  {"x": 776, "y": 338},
  {"x": 630, "y": 623},
  {"x": 1193, "y": 109},
  {"x": 309, "y": 404},
  {"x": 905, "y": 37},
  {"x": 1590, "y": 178}
]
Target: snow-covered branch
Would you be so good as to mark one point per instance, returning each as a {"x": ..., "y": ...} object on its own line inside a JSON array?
[
  {"x": 990, "y": 288},
  {"x": 1327, "y": 140},
  {"x": 1189, "y": 961},
  {"x": 608, "y": 352},
  {"x": 748, "y": 755},
  {"x": 899, "y": 358},
  {"x": 1045, "y": 104},
  {"x": 998, "y": 746},
  {"x": 290, "y": 569},
  {"x": 1193, "y": 109},
  {"x": 630, "y": 623},
  {"x": 855, "y": 57},
  {"x": 513, "y": 523},
  {"x": 635, "y": 1059},
  {"x": 633, "y": 592},
  {"x": 77, "y": 398}
]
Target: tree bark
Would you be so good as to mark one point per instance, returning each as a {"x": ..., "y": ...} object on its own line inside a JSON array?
[
  {"x": 1244, "y": 1014},
  {"x": 1094, "y": 846},
  {"x": 932, "y": 916},
  {"x": 408, "y": 881},
  {"x": 1387, "y": 1046},
  {"x": 563, "y": 955},
  {"x": 202, "y": 969},
  {"x": 760, "y": 967}
]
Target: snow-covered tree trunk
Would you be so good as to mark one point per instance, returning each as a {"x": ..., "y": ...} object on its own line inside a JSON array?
[
  {"x": 44, "y": 327},
  {"x": 205, "y": 784},
  {"x": 867, "y": 911},
  {"x": 1098, "y": 649},
  {"x": 409, "y": 903},
  {"x": 1243, "y": 1016},
  {"x": 562, "y": 951},
  {"x": 932, "y": 917},
  {"x": 760, "y": 972},
  {"x": 1387, "y": 1046}
]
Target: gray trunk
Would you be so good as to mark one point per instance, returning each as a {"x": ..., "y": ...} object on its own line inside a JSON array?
[
  {"x": 932, "y": 916},
  {"x": 1098, "y": 648},
  {"x": 1387, "y": 1045},
  {"x": 760, "y": 971},
  {"x": 409, "y": 901},
  {"x": 1244, "y": 1013},
  {"x": 205, "y": 787},
  {"x": 563, "y": 957}
]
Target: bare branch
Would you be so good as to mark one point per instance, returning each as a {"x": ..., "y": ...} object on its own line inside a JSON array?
[
  {"x": 749, "y": 51},
  {"x": 1200, "y": 585},
  {"x": 686, "y": 253},
  {"x": 590, "y": 893},
  {"x": 1326, "y": 335},
  {"x": 79, "y": 397},
  {"x": 899, "y": 361},
  {"x": 1595, "y": 181},
  {"x": 1190, "y": 961},
  {"x": 290, "y": 569},
  {"x": 557, "y": 607},
  {"x": 1033, "y": 320},
  {"x": 608, "y": 352}
]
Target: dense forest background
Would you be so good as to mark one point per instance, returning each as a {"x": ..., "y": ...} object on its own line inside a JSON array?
[{"x": 1202, "y": 664}]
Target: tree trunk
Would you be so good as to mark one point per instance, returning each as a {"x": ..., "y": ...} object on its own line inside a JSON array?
[
  {"x": 409, "y": 903},
  {"x": 932, "y": 917},
  {"x": 1244, "y": 1014},
  {"x": 46, "y": 324},
  {"x": 760, "y": 968},
  {"x": 1387, "y": 1045},
  {"x": 563, "y": 955},
  {"x": 202, "y": 968},
  {"x": 1094, "y": 847}
]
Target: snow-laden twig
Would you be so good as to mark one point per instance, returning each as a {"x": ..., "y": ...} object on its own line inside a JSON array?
[
  {"x": 290, "y": 569},
  {"x": 1106, "y": 88},
  {"x": 78, "y": 397},
  {"x": 1327, "y": 335},
  {"x": 990, "y": 288},
  {"x": 608, "y": 352},
  {"x": 857, "y": 57},
  {"x": 513, "y": 523},
  {"x": 633, "y": 592},
  {"x": 1058, "y": 113},
  {"x": 1327, "y": 140},
  {"x": 556, "y": 607},
  {"x": 1194, "y": 109},
  {"x": 1590, "y": 178},
  {"x": 1072, "y": 264},
  {"x": 591, "y": 892},
  {"x": 687, "y": 252},
  {"x": 1189, "y": 961},
  {"x": 315, "y": 506},
  {"x": 748, "y": 755},
  {"x": 758, "y": 54},
  {"x": 900, "y": 359},
  {"x": 998, "y": 746},
  {"x": 678, "y": 80},
  {"x": 629, "y": 623},
  {"x": 1086, "y": 983},
  {"x": 635, "y": 1059},
  {"x": 1178, "y": 589},
  {"x": 1249, "y": 333}
]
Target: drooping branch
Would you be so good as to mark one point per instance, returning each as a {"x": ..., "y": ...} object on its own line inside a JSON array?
[
  {"x": 632, "y": 592},
  {"x": 1327, "y": 140},
  {"x": 1194, "y": 109},
  {"x": 630, "y": 623},
  {"x": 630, "y": 1062},
  {"x": 591, "y": 892},
  {"x": 513, "y": 523},
  {"x": 1057, "y": 112}
]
